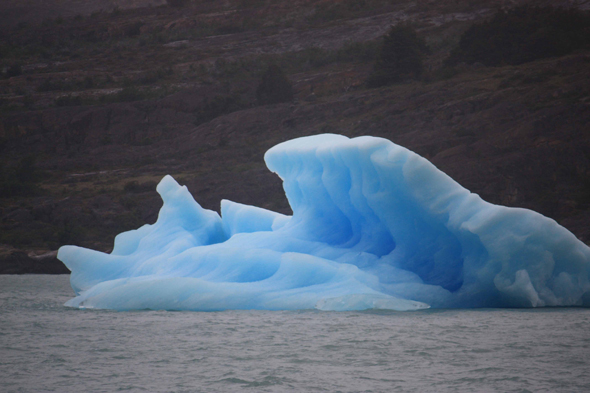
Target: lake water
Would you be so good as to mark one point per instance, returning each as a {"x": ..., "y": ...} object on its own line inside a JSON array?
[{"x": 45, "y": 346}]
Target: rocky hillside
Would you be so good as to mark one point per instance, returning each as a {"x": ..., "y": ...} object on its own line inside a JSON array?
[{"x": 97, "y": 106}]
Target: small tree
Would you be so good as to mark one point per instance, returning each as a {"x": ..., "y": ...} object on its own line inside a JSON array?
[
  {"x": 274, "y": 87},
  {"x": 400, "y": 57}
]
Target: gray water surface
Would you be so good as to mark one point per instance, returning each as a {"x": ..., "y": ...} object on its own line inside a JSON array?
[{"x": 45, "y": 346}]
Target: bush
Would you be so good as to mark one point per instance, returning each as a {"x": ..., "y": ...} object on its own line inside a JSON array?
[
  {"x": 274, "y": 87},
  {"x": 155, "y": 75},
  {"x": 52, "y": 85},
  {"x": 177, "y": 3},
  {"x": 133, "y": 186},
  {"x": 219, "y": 105},
  {"x": 20, "y": 180},
  {"x": 14, "y": 70},
  {"x": 70, "y": 233},
  {"x": 523, "y": 34},
  {"x": 358, "y": 51},
  {"x": 127, "y": 94},
  {"x": 134, "y": 29},
  {"x": 400, "y": 57},
  {"x": 28, "y": 101},
  {"x": 328, "y": 11},
  {"x": 68, "y": 100},
  {"x": 89, "y": 82}
]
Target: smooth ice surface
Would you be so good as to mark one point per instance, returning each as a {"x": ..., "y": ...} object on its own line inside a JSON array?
[{"x": 374, "y": 226}]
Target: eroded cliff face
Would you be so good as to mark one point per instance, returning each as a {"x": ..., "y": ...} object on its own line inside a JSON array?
[{"x": 516, "y": 135}]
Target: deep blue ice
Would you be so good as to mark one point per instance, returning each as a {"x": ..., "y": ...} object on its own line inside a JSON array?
[{"x": 374, "y": 226}]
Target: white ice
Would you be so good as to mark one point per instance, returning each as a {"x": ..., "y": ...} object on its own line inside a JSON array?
[{"x": 374, "y": 226}]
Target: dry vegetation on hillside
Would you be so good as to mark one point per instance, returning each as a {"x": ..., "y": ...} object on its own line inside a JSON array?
[{"x": 97, "y": 105}]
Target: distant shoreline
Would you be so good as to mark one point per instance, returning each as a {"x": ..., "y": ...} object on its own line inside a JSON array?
[{"x": 15, "y": 261}]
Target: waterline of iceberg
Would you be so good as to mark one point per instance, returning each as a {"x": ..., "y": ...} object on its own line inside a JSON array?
[{"x": 374, "y": 226}]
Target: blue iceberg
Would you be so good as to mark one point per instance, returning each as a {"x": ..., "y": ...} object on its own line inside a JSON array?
[{"x": 374, "y": 226}]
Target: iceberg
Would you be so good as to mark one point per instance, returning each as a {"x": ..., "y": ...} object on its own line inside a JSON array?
[{"x": 374, "y": 226}]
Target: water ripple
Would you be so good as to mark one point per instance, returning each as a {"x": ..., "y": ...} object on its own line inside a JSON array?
[{"x": 47, "y": 347}]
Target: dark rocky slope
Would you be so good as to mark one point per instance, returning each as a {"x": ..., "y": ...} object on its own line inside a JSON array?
[{"x": 516, "y": 135}]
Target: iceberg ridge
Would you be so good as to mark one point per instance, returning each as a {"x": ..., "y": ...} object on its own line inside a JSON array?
[{"x": 374, "y": 226}]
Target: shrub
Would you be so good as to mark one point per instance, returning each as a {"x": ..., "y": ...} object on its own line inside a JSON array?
[
  {"x": 219, "y": 105},
  {"x": 400, "y": 57},
  {"x": 156, "y": 75},
  {"x": 68, "y": 100},
  {"x": 52, "y": 85},
  {"x": 177, "y": 3},
  {"x": 89, "y": 82},
  {"x": 20, "y": 180},
  {"x": 28, "y": 101},
  {"x": 14, "y": 70},
  {"x": 274, "y": 87},
  {"x": 328, "y": 11},
  {"x": 133, "y": 186},
  {"x": 358, "y": 51},
  {"x": 127, "y": 94},
  {"x": 69, "y": 233},
  {"x": 523, "y": 34},
  {"x": 134, "y": 29}
]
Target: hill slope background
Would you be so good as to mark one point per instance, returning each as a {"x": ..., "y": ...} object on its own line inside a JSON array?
[{"x": 98, "y": 105}]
